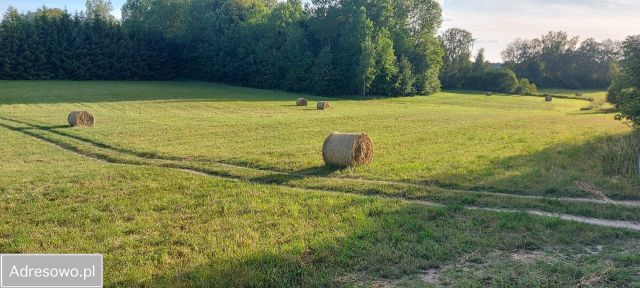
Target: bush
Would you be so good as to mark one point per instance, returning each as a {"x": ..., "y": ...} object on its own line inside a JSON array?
[
  {"x": 501, "y": 80},
  {"x": 619, "y": 82},
  {"x": 526, "y": 88},
  {"x": 628, "y": 103}
]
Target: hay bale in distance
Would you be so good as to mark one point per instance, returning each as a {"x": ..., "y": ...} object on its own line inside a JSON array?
[
  {"x": 347, "y": 149},
  {"x": 579, "y": 94},
  {"x": 548, "y": 98},
  {"x": 80, "y": 119},
  {"x": 322, "y": 105},
  {"x": 302, "y": 102},
  {"x": 488, "y": 94}
]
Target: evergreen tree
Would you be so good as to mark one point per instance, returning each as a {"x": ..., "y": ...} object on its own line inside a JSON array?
[
  {"x": 337, "y": 47},
  {"x": 322, "y": 73},
  {"x": 478, "y": 71},
  {"x": 298, "y": 60}
]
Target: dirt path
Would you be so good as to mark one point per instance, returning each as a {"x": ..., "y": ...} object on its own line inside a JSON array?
[{"x": 595, "y": 221}]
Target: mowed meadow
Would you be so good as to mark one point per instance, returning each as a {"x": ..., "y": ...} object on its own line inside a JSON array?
[
  {"x": 200, "y": 184},
  {"x": 512, "y": 144}
]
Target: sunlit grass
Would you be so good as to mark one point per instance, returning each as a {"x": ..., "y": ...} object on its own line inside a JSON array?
[
  {"x": 599, "y": 97},
  {"x": 160, "y": 227},
  {"x": 464, "y": 140}
]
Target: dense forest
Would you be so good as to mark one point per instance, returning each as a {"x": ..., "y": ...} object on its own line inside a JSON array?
[
  {"x": 326, "y": 47},
  {"x": 345, "y": 47},
  {"x": 51, "y": 44}
]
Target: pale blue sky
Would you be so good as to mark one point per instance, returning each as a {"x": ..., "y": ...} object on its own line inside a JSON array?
[
  {"x": 494, "y": 23},
  {"x": 72, "y": 5}
]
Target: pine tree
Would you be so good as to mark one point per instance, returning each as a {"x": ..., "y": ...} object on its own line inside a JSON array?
[
  {"x": 298, "y": 60},
  {"x": 343, "y": 47}
]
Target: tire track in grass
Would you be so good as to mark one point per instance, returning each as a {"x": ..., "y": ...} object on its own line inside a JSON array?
[
  {"x": 154, "y": 156},
  {"x": 631, "y": 225}
]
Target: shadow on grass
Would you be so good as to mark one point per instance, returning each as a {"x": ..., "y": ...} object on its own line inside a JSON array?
[
  {"x": 323, "y": 260},
  {"x": 348, "y": 240},
  {"x": 58, "y": 91},
  {"x": 608, "y": 162},
  {"x": 51, "y": 92},
  {"x": 476, "y": 93},
  {"x": 482, "y": 93},
  {"x": 595, "y": 112},
  {"x": 55, "y": 129},
  {"x": 282, "y": 179},
  {"x": 389, "y": 246}
]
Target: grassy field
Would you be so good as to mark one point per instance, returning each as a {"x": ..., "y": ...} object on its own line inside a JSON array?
[
  {"x": 599, "y": 98},
  {"x": 511, "y": 144},
  {"x": 277, "y": 217}
]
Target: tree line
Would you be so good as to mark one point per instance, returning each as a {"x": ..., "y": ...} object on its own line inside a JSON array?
[
  {"x": 552, "y": 61},
  {"x": 52, "y": 44},
  {"x": 556, "y": 60},
  {"x": 332, "y": 47},
  {"x": 459, "y": 72},
  {"x": 328, "y": 47}
]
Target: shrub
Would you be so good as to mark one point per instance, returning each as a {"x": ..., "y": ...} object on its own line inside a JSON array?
[
  {"x": 628, "y": 103},
  {"x": 619, "y": 82},
  {"x": 501, "y": 80},
  {"x": 526, "y": 88}
]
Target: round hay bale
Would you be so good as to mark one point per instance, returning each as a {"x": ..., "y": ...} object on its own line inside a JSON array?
[
  {"x": 301, "y": 102},
  {"x": 488, "y": 94},
  {"x": 322, "y": 105},
  {"x": 548, "y": 98},
  {"x": 80, "y": 119},
  {"x": 579, "y": 94},
  {"x": 347, "y": 149}
]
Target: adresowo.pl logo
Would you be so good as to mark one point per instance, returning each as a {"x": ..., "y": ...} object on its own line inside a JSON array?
[{"x": 51, "y": 271}]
